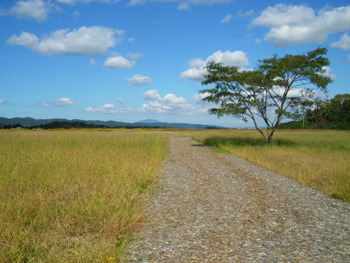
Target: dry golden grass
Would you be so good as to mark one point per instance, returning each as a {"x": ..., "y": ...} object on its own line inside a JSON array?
[
  {"x": 73, "y": 196},
  {"x": 318, "y": 159}
]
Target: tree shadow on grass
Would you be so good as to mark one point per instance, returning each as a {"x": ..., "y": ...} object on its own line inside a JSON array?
[{"x": 245, "y": 141}]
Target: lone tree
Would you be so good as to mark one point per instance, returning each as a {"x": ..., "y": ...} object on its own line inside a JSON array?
[{"x": 278, "y": 88}]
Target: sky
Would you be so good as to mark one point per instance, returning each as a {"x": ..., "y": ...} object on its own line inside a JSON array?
[{"x": 144, "y": 59}]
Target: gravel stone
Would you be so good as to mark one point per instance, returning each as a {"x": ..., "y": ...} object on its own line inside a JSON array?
[{"x": 220, "y": 208}]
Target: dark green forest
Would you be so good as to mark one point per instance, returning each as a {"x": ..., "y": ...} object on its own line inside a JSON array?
[{"x": 333, "y": 114}]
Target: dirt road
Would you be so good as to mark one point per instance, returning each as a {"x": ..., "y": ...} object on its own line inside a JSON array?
[{"x": 219, "y": 208}]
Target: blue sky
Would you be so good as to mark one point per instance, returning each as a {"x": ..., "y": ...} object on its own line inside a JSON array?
[{"x": 139, "y": 59}]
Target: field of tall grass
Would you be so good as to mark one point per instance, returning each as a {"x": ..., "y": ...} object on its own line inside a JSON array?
[
  {"x": 73, "y": 196},
  {"x": 318, "y": 159}
]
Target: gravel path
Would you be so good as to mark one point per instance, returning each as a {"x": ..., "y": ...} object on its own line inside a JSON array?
[{"x": 219, "y": 208}]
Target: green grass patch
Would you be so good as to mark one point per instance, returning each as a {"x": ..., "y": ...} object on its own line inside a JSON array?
[{"x": 318, "y": 159}]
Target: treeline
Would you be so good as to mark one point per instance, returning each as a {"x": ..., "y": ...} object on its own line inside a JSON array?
[
  {"x": 75, "y": 125},
  {"x": 331, "y": 114},
  {"x": 57, "y": 125}
]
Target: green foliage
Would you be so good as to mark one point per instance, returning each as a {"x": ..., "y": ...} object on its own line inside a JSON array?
[
  {"x": 278, "y": 88},
  {"x": 331, "y": 114}
]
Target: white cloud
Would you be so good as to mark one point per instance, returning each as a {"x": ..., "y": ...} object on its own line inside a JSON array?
[
  {"x": 183, "y": 4},
  {"x": 73, "y": 2},
  {"x": 89, "y": 41},
  {"x": 343, "y": 43},
  {"x": 5, "y": 102},
  {"x": 237, "y": 58},
  {"x": 134, "y": 55},
  {"x": 290, "y": 25},
  {"x": 32, "y": 9},
  {"x": 93, "y": 63},
  {"x": 327, "y": 73},
  {"x": 197, "y": 66},
  {"x": 120, "y": 100},
  {"x": 199, "y": 96},
  {"x": 58, "y": 103},
  {"x": 169, "y": 104},
  {"x": 152, "y": 95},
  {"x": 110, "y": 109},
  {"x": 248, "y": 13},
  {"x": 172, "y": 99},
  {"x": 137, "y": 80},
  {"x": 117, "y": 61},
  {"x": 226, "y": 19}
]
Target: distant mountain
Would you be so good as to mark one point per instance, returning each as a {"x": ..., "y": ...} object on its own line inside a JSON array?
[
  {"x": 148, "y": 121},
  {"x": 30, "y": 122}
]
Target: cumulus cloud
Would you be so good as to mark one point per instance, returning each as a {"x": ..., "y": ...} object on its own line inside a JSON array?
[
  {"x": 169, "y": 104},
  {"x": 31, "y": 9},
  {"x": 197, "y": 66},
  {"x": 290, "y": 25},
  {"x": 117, "y": 61},
  {"x": 172, "y": 104},
  {"x": 152, "y": 95},
  {"x": 343, "y": 43},
  {"x": 226, "y": 19},
  {"x": 58, "y": 103},
  {"x": 138, "y": 80},
  {"x": 89, "y": 41}
]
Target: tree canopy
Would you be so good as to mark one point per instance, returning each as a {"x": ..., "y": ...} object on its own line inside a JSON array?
[
  {"x": 324, "y": 114},
  {"x": 278, "y": 88}
]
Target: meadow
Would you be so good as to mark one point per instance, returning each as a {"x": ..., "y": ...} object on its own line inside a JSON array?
[
  {"x": 73, "y": 196},
  {"x": 315, "y": 158},
  {"x": 77, "y": 195}
]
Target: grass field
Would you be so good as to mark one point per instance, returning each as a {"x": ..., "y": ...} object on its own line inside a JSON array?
[
  {"x": 73, "y": 196},
  {"x": 318, "y": 159}
]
